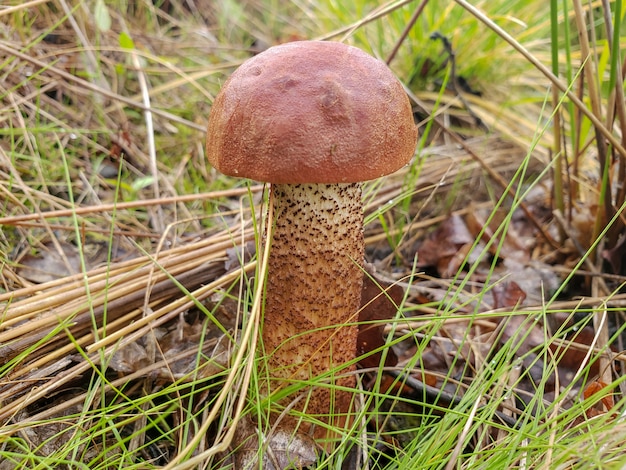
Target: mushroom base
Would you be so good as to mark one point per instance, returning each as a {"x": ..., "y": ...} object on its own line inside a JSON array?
[{"x": 313, "y": 294}]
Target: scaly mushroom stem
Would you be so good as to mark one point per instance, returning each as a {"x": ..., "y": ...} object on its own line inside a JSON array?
[{"x": 314, "y": 288}]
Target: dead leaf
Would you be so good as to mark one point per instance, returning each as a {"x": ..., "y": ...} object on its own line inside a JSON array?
[
  {"x": 536, "y": 279},
  {"x": 486, "y": 224},
  {"x": 379, "y": 302},
  {"x": 446, "y": 247},
  {"x": 50, "y": 263},
  {"x": 598, "y": 387},
  {"x": 129, "y": 358},
  {"x": 238, "y": 256},
  {"x": 507, "y": 294},
  {"x": 178, "y": 345},
  {"x": 283, "y": 449}
]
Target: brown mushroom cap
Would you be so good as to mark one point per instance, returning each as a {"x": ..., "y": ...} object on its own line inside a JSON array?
[{"x": 311, "y": 112}]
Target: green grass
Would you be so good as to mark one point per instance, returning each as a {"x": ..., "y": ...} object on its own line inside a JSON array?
[{"x": 79, "y": 94}]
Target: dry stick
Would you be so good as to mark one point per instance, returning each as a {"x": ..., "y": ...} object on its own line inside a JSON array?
[
  {"x": 59, "y": 352},
  {"x": 100, "y": 282},
  {"x": 60, "y": 291},
  {"x": 14, "y": 9},
  {"x": 159, "y": 317},
  {"x": 118, "y": 311},
  {"x": 53, "y": 326},
  {"x": 116, "y": 233},
  {"x": 45, "y": 293},
  {"x": 129, "y": 295},
  {"x": 47, "y": 361},
  {"x": 10, "y": 408},
  {"x": 41, "y": 298},
  {"x": 12, "y": 388},
  {"x": 406, "y": 31},
  {"x": 16, "y": 219},
  {"x": 118, "y": 301}
]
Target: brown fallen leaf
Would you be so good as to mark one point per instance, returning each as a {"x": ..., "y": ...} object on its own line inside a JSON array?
[
  {"x": 129, "y": 358},
  {"x": 379, "y": 302},
  {"x": 606, "y": 400},
  {"x": 486, "y": 224},
  {"x": 507, "y": 294},
  {"x": 616, "y": 256},
  {"x": 446, "y": 247}
]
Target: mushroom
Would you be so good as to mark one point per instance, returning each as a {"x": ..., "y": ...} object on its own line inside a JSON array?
[{"x": 314, "y": 119}]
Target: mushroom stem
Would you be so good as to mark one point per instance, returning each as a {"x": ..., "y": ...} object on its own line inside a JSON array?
[{"x": 314, "y": 289}]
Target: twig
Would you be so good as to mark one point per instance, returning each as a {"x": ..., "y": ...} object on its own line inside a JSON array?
[
  {"x": 17, "y": 219},
  {"x": 23, "y": 6},
  {"x": 407, "y": 29}
]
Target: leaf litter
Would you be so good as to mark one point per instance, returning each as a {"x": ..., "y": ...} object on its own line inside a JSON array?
[
  {"x": 167, "y": 350},
  {"x": 172, "y": 342}
]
